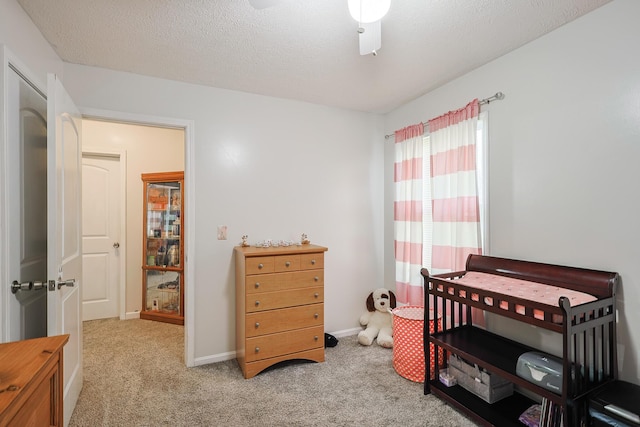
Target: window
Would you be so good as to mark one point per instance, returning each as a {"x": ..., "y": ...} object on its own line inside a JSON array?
[{"x": 482, "y": 162}]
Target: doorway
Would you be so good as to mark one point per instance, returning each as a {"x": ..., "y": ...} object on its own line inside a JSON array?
[
  {"x": 140, "y": 148},
  {"x": 187, "y": 129}
]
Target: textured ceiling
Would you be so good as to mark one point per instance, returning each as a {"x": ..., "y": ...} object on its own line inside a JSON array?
[{"x": 298, "y": 49}]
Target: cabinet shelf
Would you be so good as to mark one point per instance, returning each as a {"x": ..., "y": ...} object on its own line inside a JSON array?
[
  {"x": 493, "y": 352},
  {"x": 503, "y": 413},
  {"x": 163, "y": 209},
  {"x": 161, "y": 268}
]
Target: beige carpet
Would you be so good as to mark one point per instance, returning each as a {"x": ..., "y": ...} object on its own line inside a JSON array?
[{"x": 134, "y": 375}]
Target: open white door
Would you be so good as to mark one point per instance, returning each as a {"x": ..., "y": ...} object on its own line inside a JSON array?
[{"x": 64, "y": 234}]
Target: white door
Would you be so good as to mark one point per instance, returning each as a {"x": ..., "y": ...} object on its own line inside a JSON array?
[
  {"x": 64, "y": 234},
  {"x": 101, "y": 236},
  {"x": 26, "y": 209}
]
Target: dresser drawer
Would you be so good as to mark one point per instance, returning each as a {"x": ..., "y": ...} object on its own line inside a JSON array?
[
  {"x": 260, "y": 264},
  {"x": 272, "y": 345},
  {"x": 311, "y": 261},
  {"x": 284, "y": 319},
  {"x": 282, "y": 299},
  {"x": 286, "y": 263},
  {"x": 282, "y": 281}
]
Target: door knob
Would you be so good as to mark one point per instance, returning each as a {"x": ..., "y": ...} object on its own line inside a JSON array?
[
  {"x": 70, "y": 283},
  {"x": 24, "y": 286},
  {"x": 27, "y": 286},
  {"x": 116, "y": 245}
]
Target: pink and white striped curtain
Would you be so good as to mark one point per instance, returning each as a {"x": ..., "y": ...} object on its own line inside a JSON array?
[
  {"x": 456, "y": 211},
  {"x": 455, "y": 205},
  {"x": 408, "y": 182}
]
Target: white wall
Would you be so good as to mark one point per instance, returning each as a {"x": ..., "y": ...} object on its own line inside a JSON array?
[
  {"x": 564, "y": 152},
  {"x": 148, "y": 149},
  {"x": 24, "y": 40},
  {"x": 269, "y": 168},
  {"x": 265, "y": 167}
]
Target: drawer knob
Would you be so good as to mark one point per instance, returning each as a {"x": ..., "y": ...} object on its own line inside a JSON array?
[
  {"x": 257, "y": 303},
  {"x": 316, "y": 315},
  {"x": 313, "y": 262},
  {"x": 257, "y": 349},
  {"x": 287, "y": 264},
  {"x": 316, "y": 278},
  {"x": 316, "y": 295},
  {"x": 257, "y": 325},
  {"x": 257, "y": 285},
  {"x": 315, "y": 338},
  {"x": 260, "y": 265}
]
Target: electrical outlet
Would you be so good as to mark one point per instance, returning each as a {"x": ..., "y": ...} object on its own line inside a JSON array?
[{"x": 222, "y": 232}]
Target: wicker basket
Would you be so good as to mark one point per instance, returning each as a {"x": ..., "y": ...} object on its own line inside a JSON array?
[{"x": 408, "y": 343}]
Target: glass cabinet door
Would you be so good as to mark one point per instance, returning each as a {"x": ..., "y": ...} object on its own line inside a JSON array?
[
  {"x": 163, "y": 291},
  {"x": 163, "y": 224}
]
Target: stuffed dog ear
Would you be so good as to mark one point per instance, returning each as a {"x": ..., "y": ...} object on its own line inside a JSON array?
[
  {"x": 393, "y": 299},
  {"x": 370, "y": 304}
]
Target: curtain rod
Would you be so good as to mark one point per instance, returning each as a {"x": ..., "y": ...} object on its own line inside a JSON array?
[{"x": 497, "y": 97}]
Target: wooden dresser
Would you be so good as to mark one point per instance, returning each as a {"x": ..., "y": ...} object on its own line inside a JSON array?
[
  {"x": 279, "y": 305},
  {"x": 31, "y": 381}
]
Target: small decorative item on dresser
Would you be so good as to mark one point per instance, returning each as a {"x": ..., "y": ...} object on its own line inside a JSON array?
[
  {"x": 245, "y": 244},
  {"x": 305, "y": 240}
]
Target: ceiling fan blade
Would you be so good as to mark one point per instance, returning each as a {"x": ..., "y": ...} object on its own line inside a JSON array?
[
  {"x": 263, "y": 4},
  {"x": 370, "y": 37}
]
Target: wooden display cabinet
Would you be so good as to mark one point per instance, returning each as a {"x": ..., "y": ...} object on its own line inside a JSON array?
[{"x": 163, "y": 247}]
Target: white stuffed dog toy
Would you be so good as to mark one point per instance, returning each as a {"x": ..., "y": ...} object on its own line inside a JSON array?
[{"x": 378, "y": 320}]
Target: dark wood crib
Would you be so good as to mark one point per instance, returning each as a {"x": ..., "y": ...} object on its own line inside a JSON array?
[{"x": 588, "y": 333}]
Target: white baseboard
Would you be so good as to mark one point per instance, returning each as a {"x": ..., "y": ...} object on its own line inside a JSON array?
[
  {"x": 131, "y": 315},
  {"x": 346, "y": 332},
  {"x": 221, "y": 357},
  {"x": 214, "y": 358}
]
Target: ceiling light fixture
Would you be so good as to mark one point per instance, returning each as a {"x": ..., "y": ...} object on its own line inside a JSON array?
[
  {"x": 368, "y": 14},
  {"x": 368, "y": 11}
]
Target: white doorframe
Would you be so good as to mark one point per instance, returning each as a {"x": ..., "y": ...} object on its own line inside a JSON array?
[
  {"x": 121, "y": 155},
  {"x": 189, "y": 183}
]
